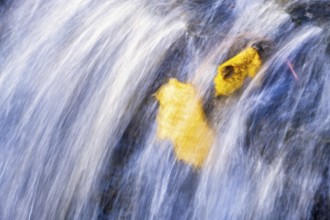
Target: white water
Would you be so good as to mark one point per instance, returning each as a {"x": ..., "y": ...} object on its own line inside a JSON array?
[{"x": 77, "y": 76}]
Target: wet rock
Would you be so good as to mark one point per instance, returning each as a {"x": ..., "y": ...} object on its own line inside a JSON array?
[
  {"x": 207, "y": 17},
  {"x": 163, "y": 7},
  {"x": 309, "y": 11},
  {"x": 328, "y": 45},
  {"x": 321, "y": 207}
]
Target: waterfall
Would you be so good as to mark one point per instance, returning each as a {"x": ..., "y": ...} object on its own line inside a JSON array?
[{"x": 77, "y": 112}]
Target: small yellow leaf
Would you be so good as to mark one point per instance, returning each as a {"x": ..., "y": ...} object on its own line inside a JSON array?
[{"x": 232, "y": 73}]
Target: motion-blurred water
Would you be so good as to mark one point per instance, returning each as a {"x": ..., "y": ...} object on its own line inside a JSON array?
[{"x": 77, "y": 116}]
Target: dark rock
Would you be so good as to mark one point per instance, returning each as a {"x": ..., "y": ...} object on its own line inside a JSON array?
[
  {"x": 327, "y": 50},
  {"x": 309, "y": 11},
  {"x": 208, "y": 17},
  {"x": 321, "y": 207}
]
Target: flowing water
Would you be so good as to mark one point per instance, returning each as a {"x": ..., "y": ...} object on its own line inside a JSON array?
[{"x": 77, "y": 115}]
